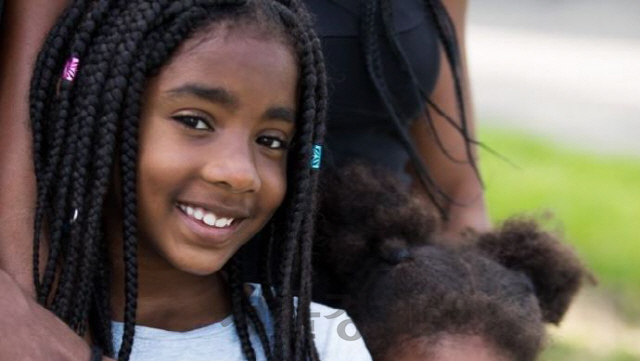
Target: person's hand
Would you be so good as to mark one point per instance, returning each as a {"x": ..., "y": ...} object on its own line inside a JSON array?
[{"x": 32, "y": 333}]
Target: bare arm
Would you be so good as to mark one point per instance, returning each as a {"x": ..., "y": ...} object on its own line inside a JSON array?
[
  {"x": 32, "y": 333},
  {"x": 25, "y": 25},
  {"x": 456, "y": 180}
]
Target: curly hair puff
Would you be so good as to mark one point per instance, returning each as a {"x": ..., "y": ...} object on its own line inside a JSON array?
[{"x": 387, "y": 263}]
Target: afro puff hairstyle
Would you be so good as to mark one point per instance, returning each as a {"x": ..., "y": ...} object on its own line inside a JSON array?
[{"x": 380, "y": 255}]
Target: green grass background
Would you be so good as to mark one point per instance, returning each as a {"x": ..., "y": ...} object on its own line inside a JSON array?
[
  {"x": 595, "y": 203},
  {"x": 595, "y": 199}
]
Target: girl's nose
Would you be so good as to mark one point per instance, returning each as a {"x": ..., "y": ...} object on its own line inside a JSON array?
[{"x": 232, "y": 167}]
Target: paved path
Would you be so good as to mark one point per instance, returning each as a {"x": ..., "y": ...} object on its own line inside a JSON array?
[
  {"x": 594, "y": 325},
  {"x": 572, "y": 83}
]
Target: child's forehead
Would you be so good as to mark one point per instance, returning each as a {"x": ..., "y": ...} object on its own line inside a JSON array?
[
  {"x": 206, "y": 55},
  {"x": 236, "y": 32},
  {"x": 449, "y": 347},
  {"x": 235, "y": 63}
]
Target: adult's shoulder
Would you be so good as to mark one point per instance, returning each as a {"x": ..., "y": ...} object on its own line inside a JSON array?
[{"x": 341, "y": 18}]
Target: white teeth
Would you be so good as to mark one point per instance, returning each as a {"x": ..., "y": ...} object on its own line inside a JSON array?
[
  {"x": 209, "y": 219},
  {"x": 206, "y": 217}
]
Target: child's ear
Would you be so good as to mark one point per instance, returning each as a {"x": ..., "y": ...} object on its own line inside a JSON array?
[{"x": 556, "y": 272}]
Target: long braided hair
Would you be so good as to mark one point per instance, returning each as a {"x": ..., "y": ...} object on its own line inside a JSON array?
[
  {"x": 86, "y": 130},
  {"x": 378, "y": 18}
]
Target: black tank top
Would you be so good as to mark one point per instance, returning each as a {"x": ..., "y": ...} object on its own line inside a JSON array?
[
  {"x": 1, "y": 12},
  {"x": 358, "y": 125}
]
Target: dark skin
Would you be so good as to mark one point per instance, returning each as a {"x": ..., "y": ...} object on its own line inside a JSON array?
[
  {"x": 32, "y": 333},
  {"x": 456, "y": 180},
  {"x": 25, "y": 24},
  {"x": 226, "y": 154}
]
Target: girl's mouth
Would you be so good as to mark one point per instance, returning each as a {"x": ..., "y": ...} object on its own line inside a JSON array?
[
  {"x": 208, "y": 228},
  {"x": 205, "y": 217}
]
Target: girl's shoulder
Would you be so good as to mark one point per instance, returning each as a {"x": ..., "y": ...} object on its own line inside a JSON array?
[{"x": 336, "y": 336}]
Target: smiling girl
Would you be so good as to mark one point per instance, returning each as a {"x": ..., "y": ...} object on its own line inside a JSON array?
[{"x": 178, "y": 131}]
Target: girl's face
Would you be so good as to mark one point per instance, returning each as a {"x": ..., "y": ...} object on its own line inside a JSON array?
[{"x": 214, "y": 132}]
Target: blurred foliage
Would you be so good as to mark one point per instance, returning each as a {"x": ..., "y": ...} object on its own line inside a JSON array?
[
  {"x": 594, "y": 200},
  {"x": 564, "y": 352}
]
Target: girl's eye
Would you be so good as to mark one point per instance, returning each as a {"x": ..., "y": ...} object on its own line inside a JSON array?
[
  {"x": 193, "y": 122},
  {"x": 273, "y": 142}
]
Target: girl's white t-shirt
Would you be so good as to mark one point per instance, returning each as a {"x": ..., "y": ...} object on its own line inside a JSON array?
[{"x": 336, "y": 338}]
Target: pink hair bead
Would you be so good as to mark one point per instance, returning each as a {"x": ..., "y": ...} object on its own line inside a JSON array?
[{"x": 70, "y": 68}]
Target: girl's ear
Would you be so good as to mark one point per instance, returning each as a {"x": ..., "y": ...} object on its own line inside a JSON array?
[{"x": 556, "y": 272}]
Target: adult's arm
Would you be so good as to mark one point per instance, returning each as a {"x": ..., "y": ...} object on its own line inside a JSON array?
[
  {"x": 32, "y": 333},
  {"x": 24, "y": 27},
  {"x": 29, "y": 331},
  {"x": 458, "y": 181}
]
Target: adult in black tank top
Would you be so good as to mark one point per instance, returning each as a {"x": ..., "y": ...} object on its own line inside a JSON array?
[
  {"x": 389, "y": 67},
  {"x": 393, "y": 100}
]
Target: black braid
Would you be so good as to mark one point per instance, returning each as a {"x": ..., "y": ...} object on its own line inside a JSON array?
[
  {"x": 83, "y": 126},
  {"x": 73, "y": 183},
  {"x": 448, "y": 38},
  {"x": 237, "y": 303},
  {"x": 102, "y": 167},
  {"x": 79, "y": 121},
  {"x": 266, "y": 275},
  {"x": 322, "y": 95},
  {"x": 377, "y": 11},
  {"x": 372, "y": 57},
  {"x": 41, "y": 104},
  {"x": 251, "y": 312},
  {"x": 420, "y": 92},
  {"x": 100, "y": 312},
  {"x": 303, "y": 325},
  {"x": 45, "y": 63},
  {"x": 98, "y": 322},
  {"x": 289, "y": 315},
  {"x": 92, "y": 174}
]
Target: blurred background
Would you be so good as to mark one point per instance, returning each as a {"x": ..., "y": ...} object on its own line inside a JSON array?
[{"x": 556, "y": 86}]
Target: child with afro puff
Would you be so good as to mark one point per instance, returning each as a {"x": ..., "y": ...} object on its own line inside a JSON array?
[{"x": 414, "y": 295}]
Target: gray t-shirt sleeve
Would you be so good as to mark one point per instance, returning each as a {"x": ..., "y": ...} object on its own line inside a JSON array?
[{"x": 336, "y": 336}]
